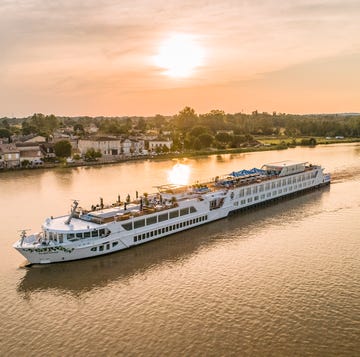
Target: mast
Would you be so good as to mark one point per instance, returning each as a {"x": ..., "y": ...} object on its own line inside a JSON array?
[{"x": 72, "y": 212}]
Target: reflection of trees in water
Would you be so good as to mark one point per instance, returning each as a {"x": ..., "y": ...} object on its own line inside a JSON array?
[{"x": 81, "y": 276}]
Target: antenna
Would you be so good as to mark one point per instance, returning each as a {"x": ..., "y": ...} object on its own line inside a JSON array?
[{"x": 75, "y": 204}]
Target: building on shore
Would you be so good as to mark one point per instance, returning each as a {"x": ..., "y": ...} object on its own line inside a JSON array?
[
  {"x": 9, "y": 156},
  {"x": 112, "y": 146},
  {"x": 160, "y": 144}
]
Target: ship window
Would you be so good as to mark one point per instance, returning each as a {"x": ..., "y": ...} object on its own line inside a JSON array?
[
  {"x": 280, "y": 191},
  {"x": 285, "y": 189},
  {"x": 93, "y": 249},
  {"x": 147, "y": 235},
  {"x": 243, "y": 202},
  {"x": 102, "y": 232},
  {"x": 71, "y": 235},
  {"x": 289, "y": 181},
  {"x": 255, "y": 189},
  {"x": 167, "y": 229},
  {"x": 284, "y": 182},
  {"x": 140, "y": 223},
  {"x": 135, "y": 239},
  {"x": 274, "y": 193},
  {"x": 86, "y": 234},
  {"x": 101, "y": 248},
  {"x": 268, "y": 194},
  {"x": 206, "y": 217},
  {"x": 177, "y": 226},
  {"x": 127, "y": 226},
  {"x": 174, "y": 214},
  {"x": 272, "y": 184},
  {"x": 151, "y": 220},
  {"x": 79, "y": 235},
  {"x": 192, "y": 209},
  {"x": 236, "y": 203},
  {"x": 184, "y": 211},
  {"x": 248, "y": 191},
  {"x": 115, "y": 243},
  {"x": 51, "y": 234},
  {"x": 159, "y": 231},
  {"x": 261, "y": 188},
  {"x": 249, "y": 199},
  {"x": 256, "y": 198},
  {"x": 162, "y": 230},
  {"x": 241, "y": 194},
  {"x": 95, "y": 233},
  {"x": 151, "y": 233},
  {"x": 290, "y": 188},
  {"x": 107, "y": 246},
  {"x": 61, "y": 240},
  {"x": 262, "y": 196},
  {"x": 163, "y": 217},
  {"x": 143, "y": 236},
  {"x": 267, "y": 186},
  {"x": 278, "y": 184}
]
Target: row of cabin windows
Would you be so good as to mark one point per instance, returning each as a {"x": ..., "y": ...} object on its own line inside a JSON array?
[
  {"x": 274, "y": 193},
  {"x": 159, "y": 218},
  {"x": 276, "y": 184},
  {"x": 59, "y": 237},
  {"x": 103, "y": 247},
  {"x": 171, "y": 228}
]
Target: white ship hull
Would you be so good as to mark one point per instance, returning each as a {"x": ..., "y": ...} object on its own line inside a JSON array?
[{"x": 90, "y": 236}]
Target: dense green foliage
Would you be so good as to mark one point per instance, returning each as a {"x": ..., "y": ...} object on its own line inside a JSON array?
[
  {"x": 92, "y": 154},
  {"x": 62, "y": 148}
]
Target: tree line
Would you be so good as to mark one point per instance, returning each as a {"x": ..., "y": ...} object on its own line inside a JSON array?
[{"x": 190, "y": 130}]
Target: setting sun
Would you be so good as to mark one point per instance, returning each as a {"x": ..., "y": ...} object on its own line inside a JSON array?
[{"x": 179, "y": 55}]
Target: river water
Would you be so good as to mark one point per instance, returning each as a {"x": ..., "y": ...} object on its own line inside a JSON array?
[{"x": 282, "y": 280}]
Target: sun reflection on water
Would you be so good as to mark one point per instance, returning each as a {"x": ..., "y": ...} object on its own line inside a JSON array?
[{"x": 179, "y": 174}]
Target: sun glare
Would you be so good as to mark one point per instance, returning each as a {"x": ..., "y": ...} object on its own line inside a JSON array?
[
  {"x": 179, "y": 174},
  {"x": 179, "y": 55}
]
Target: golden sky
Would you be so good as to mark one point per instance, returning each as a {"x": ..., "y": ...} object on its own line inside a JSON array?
[{"x": 143, "y": 57}]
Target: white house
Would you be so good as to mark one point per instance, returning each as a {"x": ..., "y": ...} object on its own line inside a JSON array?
[
  {"x": 154, "y": 144},
  {"x": 112, "y": 146}
]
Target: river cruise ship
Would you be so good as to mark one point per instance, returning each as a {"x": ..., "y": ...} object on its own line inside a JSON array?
[{"x": 173, "y": 208}]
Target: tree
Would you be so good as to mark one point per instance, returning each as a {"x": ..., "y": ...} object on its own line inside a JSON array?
[
  {"x": 215, "y": 120},
  {"x": 5, "y": 124},
  {"x": 198, "y": 130},
  {"x": 141, "y": 124},
  {"x": 206, "y": 140},
  {"x": 5, "y": 133},
  {"x": 223, "y": 137},
  {"x": 186, "y": 119},
  {"x": 92, "y": 154},
  {"x": 62, "y": 148},
  {"x": 79, "y": 128}
]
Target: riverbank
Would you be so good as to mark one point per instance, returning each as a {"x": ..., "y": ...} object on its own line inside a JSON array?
[{"x": 265, "y": 144}]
